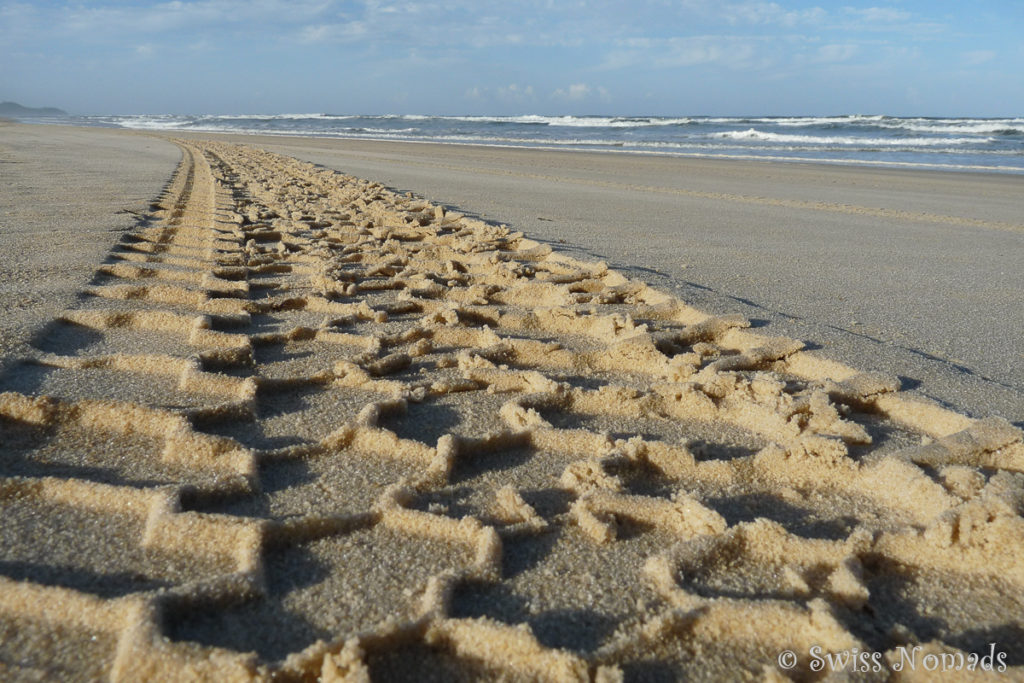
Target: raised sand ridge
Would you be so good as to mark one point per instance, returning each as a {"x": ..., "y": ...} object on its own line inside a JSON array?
[{"x": 301, "y": 426}]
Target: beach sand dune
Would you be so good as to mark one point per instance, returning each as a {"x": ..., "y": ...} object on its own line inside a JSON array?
[{"x": 300, "y": 425}]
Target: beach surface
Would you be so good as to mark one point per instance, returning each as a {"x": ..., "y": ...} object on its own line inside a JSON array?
[
  {"x": 68, "y": 195},
  {"x": 909, "y": 272},
  {"x": 460, "y": 412}
]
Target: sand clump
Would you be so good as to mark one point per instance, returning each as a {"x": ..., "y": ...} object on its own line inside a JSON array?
[{"x": 302, "y": 426}]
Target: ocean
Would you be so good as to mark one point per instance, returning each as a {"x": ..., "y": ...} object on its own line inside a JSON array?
[{"x": 976, "y": 144}]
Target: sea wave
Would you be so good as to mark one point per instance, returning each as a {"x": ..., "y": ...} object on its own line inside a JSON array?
[
  {"x": 280, "y": 117},
  {"x": 147, "y": 122},
  {"x": 961, "y": 126},
  {"x": 599, "y": 121},
  {"x": 791, "y": 121},
  {"x": 1006, "y": 126},
  {"x": 996, "y": 127},
  {"x": 995, "y": 142},
  {"x": 567, "y": 121},
  {"x": 766, "y": 136},
  {"x": 525, "y": 119},
  {"x": 795, "y": 143}
]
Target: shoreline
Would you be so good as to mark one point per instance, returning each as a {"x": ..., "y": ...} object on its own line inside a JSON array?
[
  {"x": 581, "y": 147},
  {"x": 908, "y": 165}
]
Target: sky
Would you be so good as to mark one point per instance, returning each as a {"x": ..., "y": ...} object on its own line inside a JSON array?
[{"x": 635, "y": 57}]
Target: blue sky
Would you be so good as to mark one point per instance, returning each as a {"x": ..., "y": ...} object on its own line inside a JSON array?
[{"x": 681, "y": 57}]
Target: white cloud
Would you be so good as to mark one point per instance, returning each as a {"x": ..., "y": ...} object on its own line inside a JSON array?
[
  {"x": 755, "y": 12},
  {"x": 978, "y": 57},
  {"x": 878, "y": 15},
  {"x": 729, "y": 51},
  {"x": 99, "y": 21},
  {"x": 515, "y": 93},
  {"x": 575, "y": 92},
  {"x": 340, "y": 32},
  {"x": 202, "y": 46},
  {"x": 768, "y": 13},
  {"x": 836, "y": 52}
]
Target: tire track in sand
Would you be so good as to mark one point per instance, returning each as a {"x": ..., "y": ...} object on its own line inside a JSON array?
[{"x": 304, "y": 426}]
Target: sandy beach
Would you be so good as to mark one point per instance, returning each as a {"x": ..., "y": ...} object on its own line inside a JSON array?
[
  {"x": 296, "y": 408},
  {"x": 912, "y": 273}
]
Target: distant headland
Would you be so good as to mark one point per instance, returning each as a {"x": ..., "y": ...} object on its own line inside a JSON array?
[{"x": 14, "y": 109}]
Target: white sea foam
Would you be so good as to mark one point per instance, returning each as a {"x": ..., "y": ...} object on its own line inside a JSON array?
[
  {"x": 851, "y": 140},
  {"x": 277, "y": 117},
  {"x": 567, "y": 121},
  {"x": 375, "y": 131},
  {"x": 992, "y": 127},
  {"x": 153, "y": 122}
]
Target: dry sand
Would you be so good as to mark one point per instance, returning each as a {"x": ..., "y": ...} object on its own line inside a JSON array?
[
  {"x": 298, "y": 424},
  {"x": 66, "y": 197}
]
